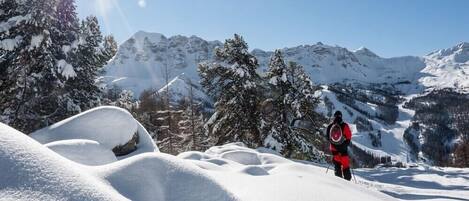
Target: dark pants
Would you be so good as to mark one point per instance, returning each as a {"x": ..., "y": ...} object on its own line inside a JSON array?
[{"x": 342, "y": 172}]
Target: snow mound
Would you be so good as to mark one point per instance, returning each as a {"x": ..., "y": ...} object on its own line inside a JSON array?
[
  {"x": 109, "y": 126},
  {"x": 253, "y": 175},
  {"x": 30, "y": 171},
  {"x": 151, "y": 176},
  {"x": 75, "y": 150}
]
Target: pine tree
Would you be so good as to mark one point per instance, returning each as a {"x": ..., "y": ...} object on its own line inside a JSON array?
[
  {"x": 303, "y": 103},
  {"x": 48, "y": 62},
  {"x": 92, "y": 53},
  {"x": 233, "y": 82},
  {"x": 31, "y": 84},
  {"x": 290, "y": 103},
  {"x": 276, "y": 123}
]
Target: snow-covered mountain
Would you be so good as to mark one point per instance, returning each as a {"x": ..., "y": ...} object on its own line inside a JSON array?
[
  {"x": 142, "y": 60},
  {"x": 373, "y": 91}
]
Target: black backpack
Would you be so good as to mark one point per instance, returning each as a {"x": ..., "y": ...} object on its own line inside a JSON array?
[{"x": 336, "y": 136}]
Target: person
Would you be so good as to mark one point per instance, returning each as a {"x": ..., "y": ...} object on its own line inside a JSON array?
[{"x": 339, "y": 135}]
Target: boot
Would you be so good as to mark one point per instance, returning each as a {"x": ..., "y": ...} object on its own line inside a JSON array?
[
  {"x": 337, "y": 169},
  {"x": 347, "y": 174}
]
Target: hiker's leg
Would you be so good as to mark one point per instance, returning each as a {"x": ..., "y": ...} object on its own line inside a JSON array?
[
  {"x": 346, "y": 167},
  {"x": 337, "y": 168}
]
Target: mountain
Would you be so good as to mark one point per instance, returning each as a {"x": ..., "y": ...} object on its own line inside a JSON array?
[
  {"x": 141, "y": 61},
  {"x": 381, "y": 97}
]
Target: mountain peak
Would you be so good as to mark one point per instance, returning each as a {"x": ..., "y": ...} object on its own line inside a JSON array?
[
  {"x": 365, "y": 51},
  {"x": 458, "y": 53},
  {"x": 141, "y": 35}
]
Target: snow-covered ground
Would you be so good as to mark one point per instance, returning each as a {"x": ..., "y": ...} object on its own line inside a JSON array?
[
  {"x": 55, "y": 170},
  {"x": 418, "y": 183}
]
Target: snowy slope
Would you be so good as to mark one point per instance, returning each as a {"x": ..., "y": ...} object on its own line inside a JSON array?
[
  {"x": 230, "y": 172},
  {"x": 418, "y": 183},
  {"x": 31, "y": 171},
  {"x": 180, "y": 88},
  {"x": 253, "y": 175},
  {"x": 393, "y": 144},
  {"x": 447, "y": 68}
]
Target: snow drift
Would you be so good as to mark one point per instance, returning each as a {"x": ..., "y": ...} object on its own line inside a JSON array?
[
  {"x": 109, "y": 126},
  {"x": 30, "y": 171},
  {"x": 75, "y": 163}
]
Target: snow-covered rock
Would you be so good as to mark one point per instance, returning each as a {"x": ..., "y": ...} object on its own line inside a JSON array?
[
  {"x": 74, "y": 150},
  {"x": 109, "y": 126}
]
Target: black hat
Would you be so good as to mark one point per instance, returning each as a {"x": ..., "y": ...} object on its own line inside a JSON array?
[{"x": 337, "y": 113}]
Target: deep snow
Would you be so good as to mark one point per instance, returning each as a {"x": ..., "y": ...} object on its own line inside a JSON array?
[
  {"x": 31, "y": 171},
  {"x": 107, "y": 125}
]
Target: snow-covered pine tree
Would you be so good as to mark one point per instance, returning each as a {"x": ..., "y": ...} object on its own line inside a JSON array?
[
  {"x": 66, "y": 39},
  {"x": 92, "y": 53},
  {"x": 276, "y": 121},
  {"x": 302, "y": 103},
  {"x": 31, "y": 85},
  {"x": 233, "y": 82}
]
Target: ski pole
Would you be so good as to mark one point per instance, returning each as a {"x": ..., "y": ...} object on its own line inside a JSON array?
[
  {"x": 353, "y": 174},
  {"x": 329, "y": 165}
]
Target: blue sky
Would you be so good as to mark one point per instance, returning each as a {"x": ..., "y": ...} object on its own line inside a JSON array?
[{"x": 389, "y": 28}]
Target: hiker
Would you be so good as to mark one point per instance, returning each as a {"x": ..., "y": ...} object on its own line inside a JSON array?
[{"x": 339, "y": 135}]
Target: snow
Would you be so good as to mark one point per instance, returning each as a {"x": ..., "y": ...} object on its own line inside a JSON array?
[
  {"x": 418, "y": 183},
  {"x": 179, "y": 88},
  {"x": 31, "y": 171},
  {"x": 36, "y": 40},
  {"x": 66, "y": 69},
  {"x": 109, "y": 126},
  {"x": 5, "y": 26},
  {"x": 253, "y": 175},
  {"x": 10, "y": 44},
  {"x": 74, "y": 150},
  {"x": 151, "y": 176}
]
